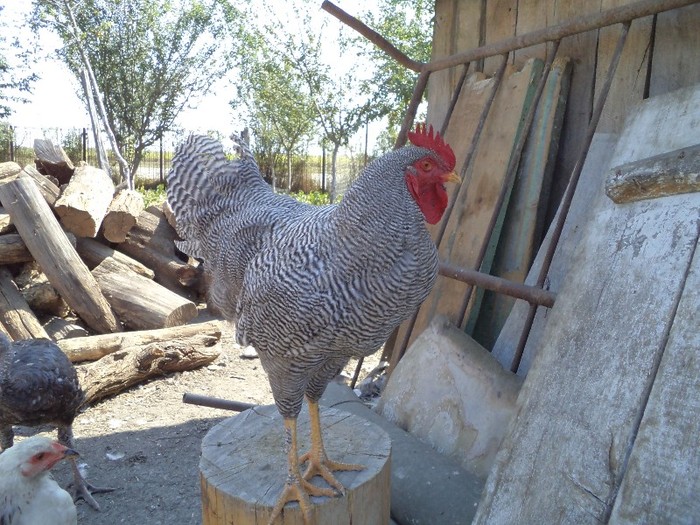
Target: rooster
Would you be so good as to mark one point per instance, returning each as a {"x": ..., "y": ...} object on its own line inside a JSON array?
[
  {"x": 28, "y": 493},
  {"x": 39, "y": 385},
  {"x": 310, "y": 287}
]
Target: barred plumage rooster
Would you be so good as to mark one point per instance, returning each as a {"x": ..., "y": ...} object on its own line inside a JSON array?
[{"x": 312, "y": 286}]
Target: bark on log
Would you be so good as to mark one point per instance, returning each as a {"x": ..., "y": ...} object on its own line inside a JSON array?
[
  {"x": 94, "y": 252},
  {"x": 51, "y": 248},
  {"x": 122, "y": 214},
  {"x": 97, "y": 346},
  {"x": 52, "y": 160},
  {"x": 141, "y": 303},
  {"x": 120, "y": 370},
  {"x": 84, "y": 202},
  {"x": 15, "y": 314}
]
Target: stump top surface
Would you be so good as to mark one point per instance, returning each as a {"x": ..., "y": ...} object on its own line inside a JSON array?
[{"x": 244, "y": 456}]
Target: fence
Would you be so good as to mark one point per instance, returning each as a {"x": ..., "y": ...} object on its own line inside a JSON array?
[{"x": 309, "y": 172}]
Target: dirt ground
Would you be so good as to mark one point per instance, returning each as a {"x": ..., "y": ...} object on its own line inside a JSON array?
[{"x": 145, "y": 442}]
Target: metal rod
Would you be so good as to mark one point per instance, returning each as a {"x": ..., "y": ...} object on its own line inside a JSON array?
[
  {"x": 581, "y": 24},
  {"x": 409, "y": 117},
  {"x": 568, "y": 196},
  {"x": 371, "y": 35},
  {"x": 215, "y": 402},
  {"x": 531, "y": 294},
  {"x": 455, "y": 98},
  {"x": 511, "y": 171}
]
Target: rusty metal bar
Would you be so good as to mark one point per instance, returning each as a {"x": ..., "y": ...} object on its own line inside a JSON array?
[
  {"x": 409, "y": 117},
  {"x": 215, "y": 402},
  {"x": 609, "y": 17},
  {"x": 371, "y": 35},
  {"x": 531, "y": 294},
  {"x": 511, "y": 171},
  {"x": 569, "y": 192}
]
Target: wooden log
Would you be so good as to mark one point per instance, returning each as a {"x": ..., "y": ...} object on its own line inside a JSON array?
[
  {"x": 153, "y": 231},
  {"x": 13, "y": 249},
  {"x": 122, "y": 214},
  {"x": 51, "y": 248},
  {"x": 97, "y": 346},
  {"x": 120, "y": 370},
  {"x": 9, "y": 170},
  {"x": 84, "y": 202},
  {"x": 38, "y": 291},
  {"x": 241, "y": 483},
  {"x": 5, "y": 222},
  {"x": 141, "y": 303},
  {"x": 665, "y": 174},
  {"x": 15, "y": 314},
  {"x": 52, "y": 160},
  {"x": 59, "y": 328},
  {"x": 94, "y": 252}
]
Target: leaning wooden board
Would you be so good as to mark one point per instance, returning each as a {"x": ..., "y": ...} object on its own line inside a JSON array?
[
  {"x": 605, "y": 374},
  {"x": 467, "y": 226}
]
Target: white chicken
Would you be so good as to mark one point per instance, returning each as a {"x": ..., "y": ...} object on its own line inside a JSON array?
[{"x": 28, "y": 493}]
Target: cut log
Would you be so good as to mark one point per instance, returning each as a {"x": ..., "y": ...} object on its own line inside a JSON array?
[
  {"x": 40, "y": 295},
  {"x": 84, "y": 202},
  {"x": 94, "y": 253},
  {"x": 97, "y": 346},
  {"x": 141, "y": 303},
  {"x": 15, "y": 313},
  {"x": 120, "y": 370},
  {"x": 169, "y": 214},
  {"x": 153, "y": 231},
  {"x": 50, "y": 191},
  {"x": 241, "y": 483},
  {"x": 52, "y": 160},
  {"x": 122, "y": 214},
  {"x": 59, "y": 328},
  {"x": 51, "y": 248}
]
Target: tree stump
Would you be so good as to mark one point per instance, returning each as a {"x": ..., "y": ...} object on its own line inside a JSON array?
[{"x": 243, "y": 469}]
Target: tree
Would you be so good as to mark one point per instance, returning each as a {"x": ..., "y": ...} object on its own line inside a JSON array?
[
  {"x": 14, "y": 79},
  {"x": 150, "y": 58},
  {"x": 408, "y": 25},
  {"x": 275, "y": 94}
]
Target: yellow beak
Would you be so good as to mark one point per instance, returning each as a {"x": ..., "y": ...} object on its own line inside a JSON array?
[{"x": 451, "y": 177}]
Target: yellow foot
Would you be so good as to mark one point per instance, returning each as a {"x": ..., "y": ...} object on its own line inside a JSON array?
[
  {"x": 324, "y": 467},
  {"x": 299, "y": 490}
]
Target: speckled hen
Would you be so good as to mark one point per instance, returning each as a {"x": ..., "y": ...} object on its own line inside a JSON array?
[
  {"x": 39, "y": 386},
  {"x": 312, "y": 286}
]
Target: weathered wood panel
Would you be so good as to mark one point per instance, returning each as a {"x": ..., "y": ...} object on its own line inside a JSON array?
[
  {"x": 584, "y": 396},
  {"x": 662, "y": 483}
]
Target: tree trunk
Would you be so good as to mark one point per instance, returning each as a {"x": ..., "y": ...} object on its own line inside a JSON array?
[{"x": 334, "y": 162}]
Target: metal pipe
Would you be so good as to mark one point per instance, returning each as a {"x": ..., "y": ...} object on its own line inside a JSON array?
[
  {"x": 531, "y": 294},
  {"x": 616, "y": 15},
  {"x": 409, "y": 117},
  {"x": 570, "y": 190},
  {"x": 215, "y": 402}
]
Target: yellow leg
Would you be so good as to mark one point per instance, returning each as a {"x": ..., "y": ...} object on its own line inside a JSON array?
[
  {"x": 319, "y": 464},
  {"x": 296, "y": 488}
]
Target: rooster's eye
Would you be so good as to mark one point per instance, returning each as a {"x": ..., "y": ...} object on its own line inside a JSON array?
[{"x": 426, "y": 165}]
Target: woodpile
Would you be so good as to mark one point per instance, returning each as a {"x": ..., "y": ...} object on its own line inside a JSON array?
[{"x": 89, "y": 267}]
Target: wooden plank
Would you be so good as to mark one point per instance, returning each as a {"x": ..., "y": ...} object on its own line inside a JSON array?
[
  {"x": 628, "y": 86},
  {"x": 675, "y": 57},
  {"x": 579, "y": 406},
  {"x": 523, "y": 215},
  {"x": 669, "y": 173},
  {"x": 467, "y": 226},
  {"x": 499, "y": 24},
  {"x": 661, "y": 483},
  {"x": 589, "y": 185}
]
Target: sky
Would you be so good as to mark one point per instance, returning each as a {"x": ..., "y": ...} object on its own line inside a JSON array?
[{"x": 54, "y": 103}]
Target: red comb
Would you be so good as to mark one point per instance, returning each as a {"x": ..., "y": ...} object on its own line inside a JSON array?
[{"x": 423, "y": 137}]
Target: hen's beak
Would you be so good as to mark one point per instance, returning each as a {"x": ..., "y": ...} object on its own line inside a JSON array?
[
  {"x": 70, "y": 453},
  {"x": 451, "y": 177}
]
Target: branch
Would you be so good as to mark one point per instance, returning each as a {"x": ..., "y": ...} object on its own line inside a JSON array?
[{"x": 371, "y": 35}]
